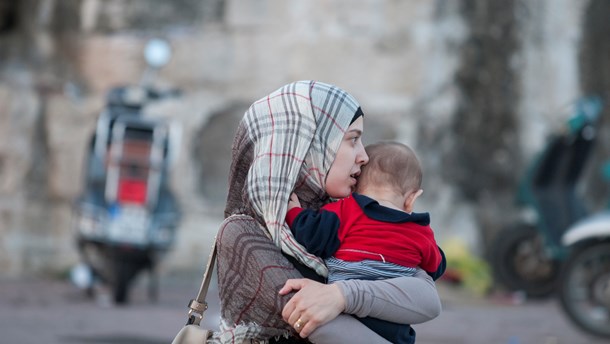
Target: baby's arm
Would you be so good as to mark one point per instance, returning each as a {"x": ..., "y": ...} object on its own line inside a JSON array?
[
  {"x": 432, "y": 257},
  {"x": 317, "y": 231},
  {"x": 440, "y": 270}
]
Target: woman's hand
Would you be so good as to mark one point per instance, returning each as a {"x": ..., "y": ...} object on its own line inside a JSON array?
[
  {"x": 294, "y": 201},
  {"x": 313, "y": 305}
]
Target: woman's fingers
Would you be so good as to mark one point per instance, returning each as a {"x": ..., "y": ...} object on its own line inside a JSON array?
[
  {"x": 293, "y": 317},
  {"x": 287, "y": 312},
  {"x": 292, "y": 284},
  {"x": 290, "y": 313},
  {"x": 299, "y": 324}
]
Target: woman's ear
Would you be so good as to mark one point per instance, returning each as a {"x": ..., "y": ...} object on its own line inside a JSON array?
[{"x": 410, "y": 200}]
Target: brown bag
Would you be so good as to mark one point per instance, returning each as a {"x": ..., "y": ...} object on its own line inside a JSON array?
[{"x": 192, "y": 333}]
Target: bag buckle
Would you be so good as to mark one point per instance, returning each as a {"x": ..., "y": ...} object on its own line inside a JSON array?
[{"x": 196, "y": 312}]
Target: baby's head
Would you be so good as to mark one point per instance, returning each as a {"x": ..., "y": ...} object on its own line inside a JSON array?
[{"x": 392, "y": 165}]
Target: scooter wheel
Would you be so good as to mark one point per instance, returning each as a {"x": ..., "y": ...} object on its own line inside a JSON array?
[
  {"x": 520, "y": 263},
  {"x": 124, "y": 275},
  {"x": 585, "y": 288}
]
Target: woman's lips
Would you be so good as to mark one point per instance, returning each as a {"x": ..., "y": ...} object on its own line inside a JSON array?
[{"x": 353, "y": 181}]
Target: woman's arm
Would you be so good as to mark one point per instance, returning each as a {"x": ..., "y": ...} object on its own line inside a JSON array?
[
  {"x": 404, "y": 300},
  {"x": 345, "y": 329}
]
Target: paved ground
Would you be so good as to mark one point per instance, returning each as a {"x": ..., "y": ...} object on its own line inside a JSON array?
[{"x": 53, "y": 312}]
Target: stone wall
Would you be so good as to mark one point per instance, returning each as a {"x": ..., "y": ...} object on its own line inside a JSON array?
[{"x": 474, "y": 86}]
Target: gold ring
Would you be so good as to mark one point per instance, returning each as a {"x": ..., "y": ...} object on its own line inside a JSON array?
[{"x": 298, "y": 324}]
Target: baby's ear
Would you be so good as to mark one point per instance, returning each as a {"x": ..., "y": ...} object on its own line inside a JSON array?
[
  {"x": 418, "y": 193},
  {"x": 410, "y": 200}
]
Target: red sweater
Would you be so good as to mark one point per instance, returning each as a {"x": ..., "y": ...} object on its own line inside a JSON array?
[{"x": 357, "y": 228}]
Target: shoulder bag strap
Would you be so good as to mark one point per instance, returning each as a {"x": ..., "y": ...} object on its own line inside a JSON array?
[{"x": 199, "y": 305}]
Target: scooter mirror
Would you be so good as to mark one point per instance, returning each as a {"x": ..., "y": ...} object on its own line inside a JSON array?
[{"x": 157, "y": 52}]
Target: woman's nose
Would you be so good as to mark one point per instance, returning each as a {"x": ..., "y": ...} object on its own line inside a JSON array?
[{"x": 363, "y": 158}]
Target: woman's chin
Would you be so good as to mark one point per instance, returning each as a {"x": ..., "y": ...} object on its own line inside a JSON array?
[{"x": 340, "y": 194}]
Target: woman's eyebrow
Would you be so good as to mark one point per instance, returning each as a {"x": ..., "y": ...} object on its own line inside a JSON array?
[{"x": 357, "y": 131}]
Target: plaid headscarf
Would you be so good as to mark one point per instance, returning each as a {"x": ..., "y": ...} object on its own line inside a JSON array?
[{"x": 296, "y": 132}]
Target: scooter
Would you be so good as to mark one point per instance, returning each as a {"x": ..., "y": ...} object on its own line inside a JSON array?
[
  {"x": 126, "y": 218},
  {"x": 527, "y": 256},
  {"x": 585, "y": 280}
]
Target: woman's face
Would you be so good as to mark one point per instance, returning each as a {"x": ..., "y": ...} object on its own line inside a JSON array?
[{"x": 342, "y": 177}]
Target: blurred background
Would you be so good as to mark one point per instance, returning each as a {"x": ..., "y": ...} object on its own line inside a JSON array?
[{"x": 476, "y": 87}]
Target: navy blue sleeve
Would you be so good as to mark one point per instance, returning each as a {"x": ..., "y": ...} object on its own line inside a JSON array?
[
  {"x": 317, "y": 231},
  {"x": 441, "y": 267}
]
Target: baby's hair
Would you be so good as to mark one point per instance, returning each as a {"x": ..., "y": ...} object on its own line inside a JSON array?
[{"x": 394, "y": 164}]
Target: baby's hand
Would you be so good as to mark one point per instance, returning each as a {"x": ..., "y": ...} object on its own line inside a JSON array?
[{"x": 294, "y": 201}]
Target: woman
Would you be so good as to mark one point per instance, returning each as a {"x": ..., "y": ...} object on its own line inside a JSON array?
[{"x": 303, "y": 137}]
